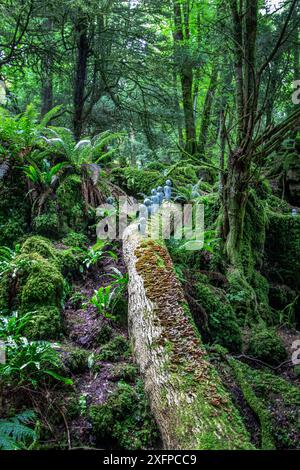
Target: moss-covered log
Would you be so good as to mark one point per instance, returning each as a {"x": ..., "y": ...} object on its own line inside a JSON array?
[{"x": 192, "y": 408}]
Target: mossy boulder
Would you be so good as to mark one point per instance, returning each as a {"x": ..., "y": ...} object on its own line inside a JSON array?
[
  {"x": 46, "y": 324},
  {"x": 44, "y": 286},
  {"x": 125, "y": 417},
  {"x": 267, "y": 346},
  {"x": 282, "y": 249},
  {"x": 222, "y": 323}
]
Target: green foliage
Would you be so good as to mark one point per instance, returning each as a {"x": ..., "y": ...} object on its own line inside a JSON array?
[
  {"x": 283, "y": 249},
  {"x": 136, "y": 182},
  {"x": 46, "y": 323},
  {"x": 16, "y": 433},
  {"x": 75, "y": 239},
  {"x": 267, "y": 441},
  {"x": 115, "y": 349},
  {"x": 266, "y": 345},
  {"x": 95, "y": 254},
  {"x": 14, "y": 325},
  {"x": 125, "y": 417},
  {"x": 77, "y": 360},
  {"x": 222, "y": 323},
  {"x": 30, "y": 363}
]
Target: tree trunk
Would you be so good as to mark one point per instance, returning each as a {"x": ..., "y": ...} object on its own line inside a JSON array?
[
  {"x": 47, "y": 75},
  {"x": 188, "y": 400},
  {"x": 181, "y": 36},
  {"x": 81, "y": 28},
  {"x": 206, "y": 115}
]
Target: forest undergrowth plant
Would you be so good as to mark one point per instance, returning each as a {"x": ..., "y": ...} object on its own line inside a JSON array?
[
  {"x": 31, "y": 362},
  {"x": 16, "y": 432},
  {"x": 13, "y": 326}
]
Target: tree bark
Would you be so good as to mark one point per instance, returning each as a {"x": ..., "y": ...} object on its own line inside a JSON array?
[
  {"x": 82, "y": 42},
  {"x": 206, "y": 115},
  {"x": 192, "y": 408}
]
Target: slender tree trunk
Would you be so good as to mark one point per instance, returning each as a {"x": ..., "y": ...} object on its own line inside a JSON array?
[
  {"x": 82, "y": 43},
  {"x": 206, "y": 115},
  {"x": 181, "y": 36},
  {"x": 47, "y": 77}
]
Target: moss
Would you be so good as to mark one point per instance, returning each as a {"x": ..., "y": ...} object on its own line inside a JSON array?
[
  {"x": 125, "y": 418},
  {"x": 44, "y": 286},
  {"x": 137, "y": 182},
  {"x": 279, "y": 402},
  {"x": 126, "y": 372},
  {"x": 70, "y": 261},
  {"x": 39, "y": 245},
  {"x": 46, "y": 324},
  {"x": 47, "y": 224},
  {"x": 283, "y": 249},
  {"x": 115, "y": 349},
  {"x": 222, "y": 322},
  {"x": 75, "y": 239},
  {"x": 77, "y": 360},
  {"x": 4, "y": 293},
  {"x": 104, "y": 335},
  {"x": 69, "y": 199},
  {"x": 266, "y": 345},
  {"x": 267, "y": 441}
]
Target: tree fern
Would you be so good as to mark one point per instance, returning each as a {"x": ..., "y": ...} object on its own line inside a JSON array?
[{"x": 15, "y": 433}]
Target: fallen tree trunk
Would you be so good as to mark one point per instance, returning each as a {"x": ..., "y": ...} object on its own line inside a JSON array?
[{"x": 192, "y": 408}]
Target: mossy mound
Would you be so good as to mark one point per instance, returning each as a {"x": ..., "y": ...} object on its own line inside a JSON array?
[
  {"x": 46, "y": 324},
  {"x": 137, "y": 182},
  {"x": 125, "y": 417},
  {"x": 282, "y": 263},
  {"x": 266, "y": 345},
  {"x": 222, "y": 323},
  {"x": 36, "y": 285},
  {"x": 274, "y": 401}
]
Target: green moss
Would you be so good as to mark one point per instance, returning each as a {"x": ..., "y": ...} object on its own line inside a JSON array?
[
  {"x": 44, "y": 286},
  {"x": 126, "y": 372},
  {"x": 46, "y": 324},
  {"x": 137, "y": 182},
  {"x": 267, "y": 441},
  {"x": 104, "y": 335},
  {"x": 77, "y": 360},
  {"x": 115, "y": 349},
  {"x": 47, "y": 224},
  {"x": 4, "y": 293},
  {"x": 75, "y": 239},
  {"x": 40, "y": 245},
  {"x": 70, "y": 261},
  {"x": 222, "y": 323},
  {"x": 278, "y": 401},
  {"x": 283, "y": 249},
  {"x": 265, "y": 344},
  {"x": 125, "y": 418}
]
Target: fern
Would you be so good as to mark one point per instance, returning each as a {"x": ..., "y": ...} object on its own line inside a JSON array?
[{"x": 15, "y": 433}]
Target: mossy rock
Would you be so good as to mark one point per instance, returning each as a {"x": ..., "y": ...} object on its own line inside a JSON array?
[
  {"x": 223, "y": 327},
  {"x": 44, "y": 286},
  {"x": 39, "y": 245},
  {"x": 77, "y": 360},
  {"x": 4, "y": 293},
  {"x": 282, "y": 249},
  {"x": 46, "y": 324},
  {"x": 115, "y": 349},
  {"x": 266, "y": 345},
  {"x": 125, "y": 418}
]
